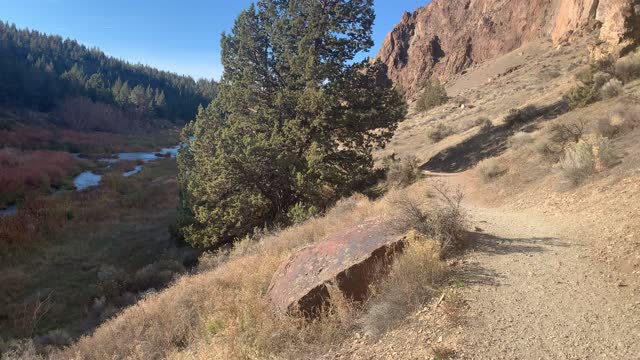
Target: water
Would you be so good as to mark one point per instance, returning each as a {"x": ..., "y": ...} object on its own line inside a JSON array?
[
  {"x": 145, "y": 156},
  {"x": 10, "y": 211},
  {"x": 89, "y": 179},
  {"x": 86, "y": 180},
  {"x": 136, "y": 170}
]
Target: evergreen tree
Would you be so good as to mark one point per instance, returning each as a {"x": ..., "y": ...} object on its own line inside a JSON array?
[{"x": 295, "y": 121}]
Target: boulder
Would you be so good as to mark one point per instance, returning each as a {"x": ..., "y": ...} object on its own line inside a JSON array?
[{"x": 348, "y": 260}]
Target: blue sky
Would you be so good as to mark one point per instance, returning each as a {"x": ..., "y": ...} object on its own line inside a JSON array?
[{"x": 182, "y": 36}]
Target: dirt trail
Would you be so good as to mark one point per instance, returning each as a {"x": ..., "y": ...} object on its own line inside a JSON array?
[{"x": 533, "y": 292}]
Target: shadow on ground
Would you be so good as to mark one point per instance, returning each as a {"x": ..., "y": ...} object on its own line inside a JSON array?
[
  {"x": 473, "y": 273},
  {"x": 491, "y": 142}
]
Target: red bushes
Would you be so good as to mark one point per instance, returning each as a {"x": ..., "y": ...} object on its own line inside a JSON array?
[{"x": 23, "y": 171}]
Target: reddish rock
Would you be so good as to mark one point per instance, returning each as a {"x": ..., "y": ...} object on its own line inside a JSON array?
[
  {"x": 346, "y": 259},
  {"x": 447, "y": 36}
]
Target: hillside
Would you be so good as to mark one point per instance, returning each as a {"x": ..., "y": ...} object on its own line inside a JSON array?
[
  {"x": 506, "y": 226},
  {"x": 41, "y": 72}
]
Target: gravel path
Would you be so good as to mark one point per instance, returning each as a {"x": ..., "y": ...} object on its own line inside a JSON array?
[{"x": 533, "y": 293}]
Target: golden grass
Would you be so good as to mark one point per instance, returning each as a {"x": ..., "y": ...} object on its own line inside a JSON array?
[{"x": 221, "y": 313}]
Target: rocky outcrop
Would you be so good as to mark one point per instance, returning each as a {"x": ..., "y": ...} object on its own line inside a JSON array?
[
  {"x": 447, "y": 36},
  {"x": 344, "y": 261}
]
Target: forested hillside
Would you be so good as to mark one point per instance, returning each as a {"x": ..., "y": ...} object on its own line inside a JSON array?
[{"x": 50, "y": 74}]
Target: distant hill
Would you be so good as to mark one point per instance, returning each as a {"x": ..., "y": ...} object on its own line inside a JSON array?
[{"x": 47, "y": 73}]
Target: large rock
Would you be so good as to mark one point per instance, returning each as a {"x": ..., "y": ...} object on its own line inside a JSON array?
[
  {"x": 346, "y": 259},
  {"x": 448, "y": 36}
]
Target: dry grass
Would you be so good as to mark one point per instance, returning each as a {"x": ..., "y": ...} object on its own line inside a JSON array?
[
  {"x": 491, "y": 169},
  {"x": 439, "y": 132},
  {"x": 221, "y": 312},
  {"x": 414, "y": 279},
  {"x": 521, "y": 140}
]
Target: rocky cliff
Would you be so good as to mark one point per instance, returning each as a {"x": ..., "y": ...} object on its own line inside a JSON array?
[{"x": 447, "y": 36}]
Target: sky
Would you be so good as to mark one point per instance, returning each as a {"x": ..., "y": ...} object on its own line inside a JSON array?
[{"x": 181, "y": 36}]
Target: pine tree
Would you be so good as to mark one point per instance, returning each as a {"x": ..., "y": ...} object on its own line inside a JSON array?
[
  {"x": 295, "y": 121},
  {"x": 138, "y": 98}
]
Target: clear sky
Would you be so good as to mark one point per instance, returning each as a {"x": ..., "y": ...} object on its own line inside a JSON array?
[{"x": 182, "y": 36}]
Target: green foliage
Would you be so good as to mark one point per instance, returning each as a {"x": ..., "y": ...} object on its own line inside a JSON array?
[
  {"x": 294, "y": 124},
  {"x": 433, "y": 94},
  {"x": 585, "y": 93},
  {"x": 38, "y": 71}
]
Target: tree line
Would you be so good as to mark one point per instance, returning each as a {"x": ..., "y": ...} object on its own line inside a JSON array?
[{"x": 38, "y": 71}]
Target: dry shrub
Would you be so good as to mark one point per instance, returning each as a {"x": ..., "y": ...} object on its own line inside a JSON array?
[
  {"x": 435, "y": 212},
  {"x": 623, "y": 119},
  {"x": 566, "y": 132},
  {"x": 482, "y": 122},
  {"x": 521, "y": 139},
  {"x": 600, "y": 79},
  {"x": 584, "y": 158},
  {"x": 611, "y": 89},
  {"x": 439, "y": 132},
  {"x": 628, "y": 67},
  {"x": 491, "y": 169},
  {"x": 415, "y": 277},
  {"x": 522, "y": 116},
  {"x": 401, "y": 172}
]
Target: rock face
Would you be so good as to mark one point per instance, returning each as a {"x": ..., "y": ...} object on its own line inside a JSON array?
[
  {"x": 346, "y": 260},
  {"x": 447, "y": 36}
]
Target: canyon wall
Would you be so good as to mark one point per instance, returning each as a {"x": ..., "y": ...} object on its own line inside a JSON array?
[{"x": 447, "y": 36}]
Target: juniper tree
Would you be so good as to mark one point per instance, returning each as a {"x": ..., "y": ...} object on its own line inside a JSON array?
[{"x": 295, "y": 121}]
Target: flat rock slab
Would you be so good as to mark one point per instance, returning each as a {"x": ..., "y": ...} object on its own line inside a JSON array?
[{"x": 349, "y": 259}]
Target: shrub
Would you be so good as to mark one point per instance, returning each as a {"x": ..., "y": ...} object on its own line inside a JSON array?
[
  {"x": 522, "y": 116},
  {"x": 584, "y": 158},
  {"x": 442, "y": 218},
  {"x": 600, "y": 79},
  {"x": 628, "y": 67},
  {"x": 490, "y": 170},
  {"x": 562, "y": 133},
  {"x": 611, "y": 89},
  {"x": 433, "y": 94},
  {"x": 402, "y": 173},
  {"x": 439, "y": 133},
  {"x": 414, "y": 278},
  {"x": 584, "y": 93},
  {"x": 520, "y": 140}
]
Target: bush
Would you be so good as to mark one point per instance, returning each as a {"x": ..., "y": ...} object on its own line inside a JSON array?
[
  {"x": 611, "y": 89},
  {"x": 628, "y": 67},
  {"x": 522, "y": 116},
  {"x": 402, "y": 173},
  {"x": 520, "y": 140},
  {"x": 439, "y": 133},
  {"x": 433, "y": 94},
  {"x": 584, "y": 158},
  {"x": 600, "y": 79},
  {"x": 442, "y": 218},
  {"x": 562, "y": 133},
  {"x": 490, "y": 170},
  {"x": 414, "y": 278},
  {"x": 585, "y": 92}
]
